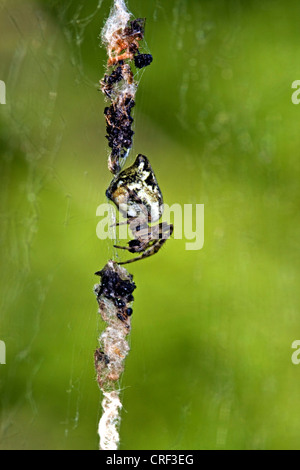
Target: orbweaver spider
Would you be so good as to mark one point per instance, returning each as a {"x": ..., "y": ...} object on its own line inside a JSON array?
[{"x": 136, "y": 193}]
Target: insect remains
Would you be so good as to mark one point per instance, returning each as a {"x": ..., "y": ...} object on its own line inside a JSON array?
[
  {"x": 136, "y": 193},
  {"x": 119, "y": 291},
  {"x": 119, "y": 132},
  {"x": 125, "y": 42},
  {"x": 119, "y": 86}
]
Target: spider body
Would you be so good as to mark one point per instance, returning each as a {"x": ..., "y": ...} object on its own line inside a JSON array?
[{"x": 136, "y": 193}]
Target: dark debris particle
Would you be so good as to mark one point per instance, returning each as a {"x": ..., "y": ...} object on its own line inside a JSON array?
[
  {"x": 136, "y": 28},
  {"x": 109, "y": 81},
  {"x": 113, "y": 287},
  {"x": 121, "y": 317},
  {"x": 115, "y": 77},
  {"x": 142, "y": 60},
  {"x": 119, "y": 303},
  {"x": 100, "y": 358}
]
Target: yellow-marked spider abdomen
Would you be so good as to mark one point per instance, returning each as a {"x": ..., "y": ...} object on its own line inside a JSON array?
[{"x": 136, "y": 193}]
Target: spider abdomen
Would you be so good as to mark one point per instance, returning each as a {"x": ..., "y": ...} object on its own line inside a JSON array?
[{"x": 136, "y": 193}]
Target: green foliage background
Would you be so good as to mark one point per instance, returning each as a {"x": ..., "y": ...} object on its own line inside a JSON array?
[{"x": 210, "y": 362}]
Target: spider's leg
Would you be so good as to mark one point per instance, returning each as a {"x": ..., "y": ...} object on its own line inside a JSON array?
[
  {"x": 134, "y": 246},
  {"x": 122, "y": 247},
  {"x": 148, "y": 252},
  {"x": 166, "y": 227},
  {"x": 116, "y": 224},
  {"x": 153, "y": 246},
  {"x": 161, "y": 231}
]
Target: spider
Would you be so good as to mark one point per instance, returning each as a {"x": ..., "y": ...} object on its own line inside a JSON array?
[{"x": 136, "y": 193}]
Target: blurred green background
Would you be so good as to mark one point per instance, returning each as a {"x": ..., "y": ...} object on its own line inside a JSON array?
[{"x": 210, "y": 362}]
